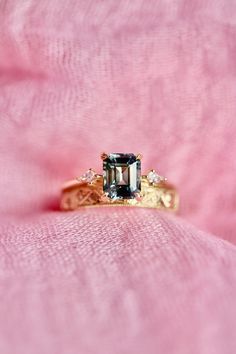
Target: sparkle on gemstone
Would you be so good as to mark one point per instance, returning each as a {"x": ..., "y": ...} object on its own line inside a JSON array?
[{"x": 122, "y": 176}]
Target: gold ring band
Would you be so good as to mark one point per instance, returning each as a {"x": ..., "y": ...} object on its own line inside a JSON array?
[{"x": 76, "y": 195}]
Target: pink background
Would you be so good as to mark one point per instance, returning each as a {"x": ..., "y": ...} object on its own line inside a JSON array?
[{"x": 81, "y": 77}]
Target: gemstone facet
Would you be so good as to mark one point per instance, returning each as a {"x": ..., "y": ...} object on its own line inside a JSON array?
[{"x": 121, "y": 176}]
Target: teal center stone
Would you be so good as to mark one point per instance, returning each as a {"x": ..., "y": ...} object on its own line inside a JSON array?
[{"x": 121, "y": 176}]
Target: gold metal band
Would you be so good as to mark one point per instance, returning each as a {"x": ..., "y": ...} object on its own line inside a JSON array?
[{"x": 76, "y": 194}]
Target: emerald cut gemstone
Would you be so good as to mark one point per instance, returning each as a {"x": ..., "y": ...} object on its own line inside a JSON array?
[{"x": 122, "y": 176}]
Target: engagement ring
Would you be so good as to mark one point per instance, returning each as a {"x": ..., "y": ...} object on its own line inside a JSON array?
[{"x": 121, "y": 184}]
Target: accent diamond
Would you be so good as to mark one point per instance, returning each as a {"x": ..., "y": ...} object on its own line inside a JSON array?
[
  {"x": 154, "y": 178},
  {"x": 88, "y": 176}
]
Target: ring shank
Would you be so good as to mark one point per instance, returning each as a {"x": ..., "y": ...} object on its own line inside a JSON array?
[{"x": 77, "y": 194}]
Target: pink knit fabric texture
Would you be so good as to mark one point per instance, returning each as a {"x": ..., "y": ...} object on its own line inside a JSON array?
[{"x": 81, "y": 77}]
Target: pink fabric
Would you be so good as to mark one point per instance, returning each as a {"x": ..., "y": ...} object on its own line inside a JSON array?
[{"x": 81, "y": 77}]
